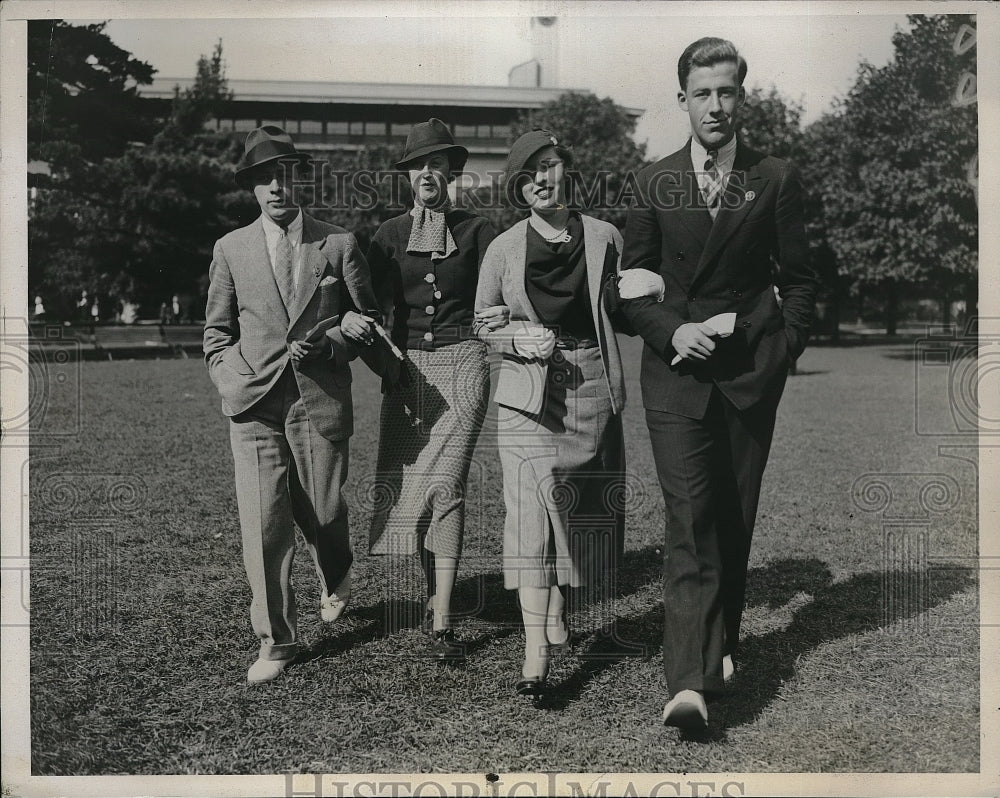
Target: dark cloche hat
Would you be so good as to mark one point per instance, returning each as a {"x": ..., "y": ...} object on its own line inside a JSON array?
[
  {"x": 527, "y": 145},
  {"x": 430, "y": 137},
  {"x": 263, "y": 145},
  {"x": 520, "y": 153}
]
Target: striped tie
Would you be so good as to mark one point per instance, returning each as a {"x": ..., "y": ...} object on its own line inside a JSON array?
[
  {"x": 283, "y": 268},
  {"x": 712, "y": 190}
]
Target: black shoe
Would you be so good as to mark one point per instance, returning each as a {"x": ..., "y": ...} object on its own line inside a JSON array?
[
  {"x": 533, "y": 688},
  {"x": 445, "y": 648}
]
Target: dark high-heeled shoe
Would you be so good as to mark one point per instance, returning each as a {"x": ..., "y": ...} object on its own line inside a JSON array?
[
  {"x": 533, "y": 688},
  {"x": 445, "y": 648}
]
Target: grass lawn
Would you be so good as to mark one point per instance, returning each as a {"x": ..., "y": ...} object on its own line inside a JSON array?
[{"x": 861, "y": 636}]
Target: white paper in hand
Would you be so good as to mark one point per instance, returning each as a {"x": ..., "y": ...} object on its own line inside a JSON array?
[
  {"x": 319, "y": 330},
  {"x": 722, "y": 325}
]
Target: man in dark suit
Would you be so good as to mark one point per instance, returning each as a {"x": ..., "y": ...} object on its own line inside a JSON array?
[
  {"x": 722, "y": 226},
  {"x": 281, "y": 326}
]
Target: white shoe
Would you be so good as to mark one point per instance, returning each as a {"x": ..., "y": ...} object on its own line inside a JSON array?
[
  {"x": 266, "y": 670},
  {"x": 332, "y": 606},
  {"x": 687, "y": 711},
  {"x": 728, "y": 669}
]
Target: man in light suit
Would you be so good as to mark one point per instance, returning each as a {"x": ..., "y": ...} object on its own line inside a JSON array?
[
  {"x": 713, "y": 220},
  {"x": 281, "y": 326}
]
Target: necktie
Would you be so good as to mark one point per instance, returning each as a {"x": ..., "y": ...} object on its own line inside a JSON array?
[
  {"x": 283, "y": 268},
  {"x": 712, "y": 190}
]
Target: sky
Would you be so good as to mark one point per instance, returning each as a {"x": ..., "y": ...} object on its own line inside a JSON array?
[{"x": 625, "y": 51}]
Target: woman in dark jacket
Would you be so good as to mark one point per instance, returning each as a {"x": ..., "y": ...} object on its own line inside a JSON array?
[{"x": 425, "y": 267}]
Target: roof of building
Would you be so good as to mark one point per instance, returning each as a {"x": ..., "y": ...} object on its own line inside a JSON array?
[{"x": 377, "y": 93}]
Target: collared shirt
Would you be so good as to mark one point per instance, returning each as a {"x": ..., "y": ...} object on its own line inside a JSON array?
[
  {"x": 272, "y": 231},
  {"x": 724, "y": 161}
]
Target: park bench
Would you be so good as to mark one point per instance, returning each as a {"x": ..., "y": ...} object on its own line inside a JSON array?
[
  {"x": 183, "y": 338},
  {"x": 129, "y": 340}
]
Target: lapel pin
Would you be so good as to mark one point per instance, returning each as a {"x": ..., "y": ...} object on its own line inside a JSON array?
[{"x": 751, "y": 196}]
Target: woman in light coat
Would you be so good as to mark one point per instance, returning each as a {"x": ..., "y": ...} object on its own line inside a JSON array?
[{"x": 561, "y": 392}]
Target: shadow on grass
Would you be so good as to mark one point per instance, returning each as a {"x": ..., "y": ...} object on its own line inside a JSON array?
[
  {"x": 481, "y": 597},
  {"x": 853, "y": 606},
  {"x": 854, "y": 341},
  {"x": 807, "y": 373},
  {"x": 837, "y": 609},
  {"x": 862, "y": 603},
  {"x": 956, "y": 349}
]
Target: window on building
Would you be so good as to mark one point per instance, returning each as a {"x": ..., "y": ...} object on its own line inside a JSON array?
[
  {"x": 337, "y": 128},
  {"x": 401, "y": 128},
  {"x": 243, "y": 125},
  {"x": 225, "y": 124},
  {"x": 464, "y": 131},
  {"x": 311, "y": 126}
]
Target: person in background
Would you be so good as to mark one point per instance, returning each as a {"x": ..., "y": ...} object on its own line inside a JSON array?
[
  {"x": 425, "y": 266},
  {"x": 282, "y": 324},
  {"x": 130, "y": 312},
  {"x": 83, "y": 306}
]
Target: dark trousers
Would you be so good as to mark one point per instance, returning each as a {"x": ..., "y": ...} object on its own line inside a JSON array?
[{"x": 710, "y": 472}]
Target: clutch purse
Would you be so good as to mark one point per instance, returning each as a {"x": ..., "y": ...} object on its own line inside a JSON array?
[{"x": 521, "y": 384}]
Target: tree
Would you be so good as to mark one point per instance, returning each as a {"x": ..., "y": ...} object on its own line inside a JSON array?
[
  {"x": 140, "y": 225},
  {"x": 178, "y": 195},
  {"x": 83, "y": 107},
  {"x": 83, "y": 98},
  {"x": 902, "y": 215},
  {"x": 359, "y": 190},
  {"x": 605, "y": 154},
  {"x": 772, "y": 124}
]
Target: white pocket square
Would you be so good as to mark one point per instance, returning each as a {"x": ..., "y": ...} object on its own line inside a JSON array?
[{"x": 328, "y": 280}]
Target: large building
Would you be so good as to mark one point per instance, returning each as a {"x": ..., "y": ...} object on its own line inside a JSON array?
[{"x": 326, "y": 116}]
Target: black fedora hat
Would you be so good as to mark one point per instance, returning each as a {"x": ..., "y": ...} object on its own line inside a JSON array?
[
  {"x": 263, "y": 145},
  {"x": 429, "y": 137}
]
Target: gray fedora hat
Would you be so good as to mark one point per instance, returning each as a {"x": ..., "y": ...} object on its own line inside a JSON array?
[{"x": 263, "y": 145}]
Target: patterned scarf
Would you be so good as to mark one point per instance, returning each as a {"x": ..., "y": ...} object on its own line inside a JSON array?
[{"x": 429, "y": 232}]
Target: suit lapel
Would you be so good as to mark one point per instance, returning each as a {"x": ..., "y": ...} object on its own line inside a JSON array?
[
  {"x": 311, "y": 267},
  {"x": 518, "y": 298},
  {"x": 683, "y": 201},
  {"x": 262, "y": 275},
  {"x": 744, "y": 179}
]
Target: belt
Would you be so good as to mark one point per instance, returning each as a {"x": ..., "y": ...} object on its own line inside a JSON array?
[{"x": 576, "y": 343}]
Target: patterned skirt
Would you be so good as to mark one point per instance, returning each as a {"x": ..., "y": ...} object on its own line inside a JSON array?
[
  {"x": 564, "y": 480},
  {"x": 428, "y": 431}
]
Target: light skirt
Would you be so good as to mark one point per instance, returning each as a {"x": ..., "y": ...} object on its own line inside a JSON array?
[{"x": 564, "y": 479}]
